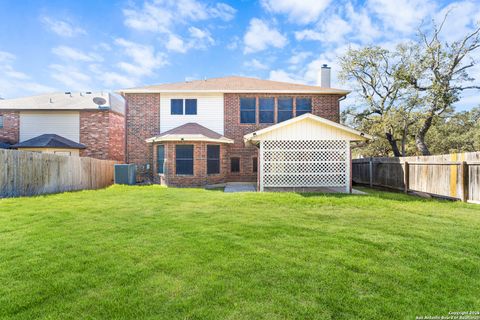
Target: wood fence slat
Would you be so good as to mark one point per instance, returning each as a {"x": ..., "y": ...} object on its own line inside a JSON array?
[
  {"x": 27, "y": 173},
  {"x": 452, "y": 175}
]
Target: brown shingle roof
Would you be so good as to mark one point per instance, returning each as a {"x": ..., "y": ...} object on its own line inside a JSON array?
[
  {"x": 235, "y": 84},
  {"x": 190, "y": 132}
]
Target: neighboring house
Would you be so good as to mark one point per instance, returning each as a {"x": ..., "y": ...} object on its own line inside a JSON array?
[
  {"x": 94, "y": 122},
  {"x": 210, "y": 131},
  {"x": 51, "y": 143}
]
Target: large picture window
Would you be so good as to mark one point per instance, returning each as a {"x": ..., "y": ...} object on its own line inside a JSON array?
[
  {"x": 247, "y": 110},
  {"x": 184, "y": 159},
  {"x": 267, "y": 109},
  {"x": 304, "y": 105},
  {"x": 190, "y": 106},
  {"x": 285, "y": 109},
  {"x": 160, "y": 158},
  {"x": 213, "y": 159},
  {"x": 176, "y": 106}
]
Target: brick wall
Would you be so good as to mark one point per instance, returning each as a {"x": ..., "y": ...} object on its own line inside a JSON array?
[
  {"x": 116, "y": 136},
  {"x": 142, "y": 122},
  {"x": 326, "y": 106},
  {"x": 200, "y": 176},
  {"x": 102, "y": 132},
  {"x": 10, "y": 133}
]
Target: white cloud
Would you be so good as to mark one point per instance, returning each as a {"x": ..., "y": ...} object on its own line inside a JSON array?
[
  {"x": 260, "y": 36},
  {"x": 71, "y": 77},
  {"x": 298, "y": 11},
  {"x": 161, "y": 15},
  {"x": 234, "y": 43},
  {"x": 334, "y": 29},
  {"x": 283, "y": 76},
  {"x": 461, "y": 19},
  {"x": 69, "y": 53},
  {"x": 199, "y": 40},
  {"x": 14, "y": 83},
  {"x": 144, "y": 59},
  {"x": 176, "y": 43},
  {"x": 299, "y": 57},
  {"x": 254, "y": 63},
  {"x": 62, "y": 27},
  {"x": 401, "y": 16}
]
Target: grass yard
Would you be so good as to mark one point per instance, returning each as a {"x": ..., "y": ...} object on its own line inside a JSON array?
[{"x": 156, "y": 253}]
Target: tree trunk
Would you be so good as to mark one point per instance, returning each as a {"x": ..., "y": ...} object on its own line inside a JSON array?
[
  {"x": 404, "y": 140},
  {"x": 420, "y": 137},
  {"x": 393, "y": 144}
]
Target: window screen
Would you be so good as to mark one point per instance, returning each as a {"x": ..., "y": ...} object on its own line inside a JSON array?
[
  {"x": 184, "y": 159},
  {"x": 160, "y": 158},
  {"x": 235, "y": 164},
  {"x": 285, "y": 109},
  {"x": 190, "y": 106},
  {"x": 267, "y": 107},
  {"x": 247, "y": 110},
  {"x": 213, "y": 159},
  {"x": 176, "y": 106},
  {"x": 304, "y": 105},
  {"x": 1, "y": 121},
  {"x": 254, "y": 164}
]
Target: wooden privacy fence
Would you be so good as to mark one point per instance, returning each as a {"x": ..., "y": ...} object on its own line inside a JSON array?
[
  {"x": 452, "y": 175},
  {"x": 30, "y": 173}
]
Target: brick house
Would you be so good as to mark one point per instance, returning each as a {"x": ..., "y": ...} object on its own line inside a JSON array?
[
  {"x": 92, "y": 124},
  {"x": 194, "y": 133}
]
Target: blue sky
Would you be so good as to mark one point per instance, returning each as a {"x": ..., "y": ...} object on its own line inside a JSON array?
[{"x": 59, "y": 45}]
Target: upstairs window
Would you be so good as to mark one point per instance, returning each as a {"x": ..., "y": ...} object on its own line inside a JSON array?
[
  {"x": 267, "y": 108},
  {"x": 235, "y": 165},
  {"x": 285, "y": 109},
  {"x": 160, "y": 158},
  {"x": 1, "y": 121},
  {"x": 184, "y": 159},
  {"x": 176, "y": 106},
  {"x": 213, "y": 159},
  {"x": 247, "y": 110},
  {"x": 190, "y": 106},
  {"x": 304, "y": 105}
]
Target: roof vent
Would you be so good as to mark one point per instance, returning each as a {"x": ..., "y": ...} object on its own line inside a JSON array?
[
  {"x": 51, "y": 100},
  {"x": 68, "y": 92},
  {"x": 88, "y": 92}
]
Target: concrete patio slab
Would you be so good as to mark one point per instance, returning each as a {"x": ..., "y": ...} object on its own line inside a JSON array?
[{"x": 240, "y": 187}]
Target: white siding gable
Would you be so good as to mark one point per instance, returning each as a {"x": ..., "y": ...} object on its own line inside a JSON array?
[
  {"x": 308, "y": 129},
  {"x": 63, "y": 123},
  {"x": 209, "y": 111}
]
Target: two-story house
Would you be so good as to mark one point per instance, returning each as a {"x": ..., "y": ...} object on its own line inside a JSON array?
[
  {"x": 238, "y": 129},
  {"x": 89, "y": 124}
]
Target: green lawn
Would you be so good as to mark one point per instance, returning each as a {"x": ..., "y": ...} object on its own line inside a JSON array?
[{"x": 157, "y": 253}]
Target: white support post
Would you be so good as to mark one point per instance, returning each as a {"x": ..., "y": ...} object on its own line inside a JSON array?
[
  {"x": 260, "y": 169},
  {"x": 348, "y": 173}
]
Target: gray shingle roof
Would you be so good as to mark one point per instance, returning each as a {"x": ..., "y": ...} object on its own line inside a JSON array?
[{"x": 49, "y": 141}]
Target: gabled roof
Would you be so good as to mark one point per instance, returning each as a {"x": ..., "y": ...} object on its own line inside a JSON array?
[
  {"x": 66, "y": 101},
  {"x": 4, "y": 145},
  {"x": 235, "y": 84},
  {"x": 49, "y": 141},
  {"x": 190, "y": 132},
  {"x": 257, "y": 135}
]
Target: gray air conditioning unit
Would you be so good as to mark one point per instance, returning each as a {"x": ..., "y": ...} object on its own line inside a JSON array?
[{"x": 125, "y": 174}]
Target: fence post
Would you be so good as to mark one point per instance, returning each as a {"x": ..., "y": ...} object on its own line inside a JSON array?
[
  {"x": 406, "y": 176},
  {"x": 370, "y": 171},
  {"x": 464, "y": 180}
]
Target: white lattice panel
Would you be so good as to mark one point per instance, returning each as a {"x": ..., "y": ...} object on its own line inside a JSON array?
[{"x": 304, "y": 163}]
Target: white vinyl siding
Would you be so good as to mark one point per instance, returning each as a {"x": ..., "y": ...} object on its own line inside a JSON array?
[
  {"x": 308, "y": 130},
  {"x": 209, "y": 111},
  {"x": 63, "y": 123}
]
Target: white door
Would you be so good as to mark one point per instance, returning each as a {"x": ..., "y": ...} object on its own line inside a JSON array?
[{"x": 63, "y": 123}]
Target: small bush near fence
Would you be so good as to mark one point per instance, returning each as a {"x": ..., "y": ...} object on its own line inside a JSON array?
[
  {"x": 452, "y": 175},
  {"x": 30, "y": 173}
]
